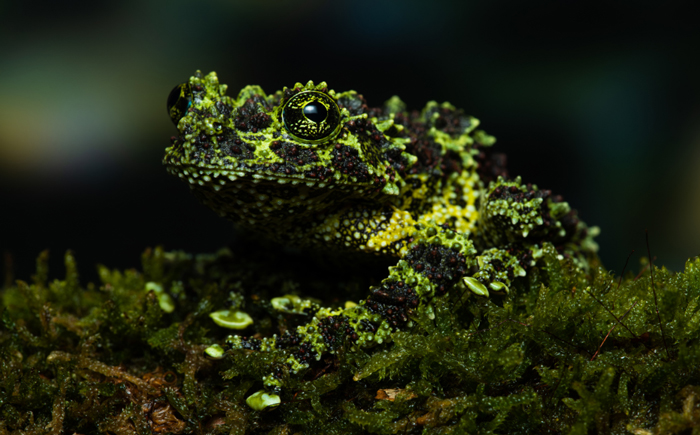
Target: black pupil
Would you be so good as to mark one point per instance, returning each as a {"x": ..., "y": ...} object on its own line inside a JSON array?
[{"x": 315, "y": 112}]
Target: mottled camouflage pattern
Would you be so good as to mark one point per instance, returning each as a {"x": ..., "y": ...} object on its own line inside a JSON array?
[{"x": 421, "y": 186}]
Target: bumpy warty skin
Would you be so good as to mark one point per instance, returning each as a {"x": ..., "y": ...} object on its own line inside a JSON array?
[{"x": 308, "y": 166}]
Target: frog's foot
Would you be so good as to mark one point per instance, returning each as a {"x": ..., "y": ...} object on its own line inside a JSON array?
[
  {"x": 436, "y": 260},
  {"x": 498, "y": 268},
  {"x": 513, "y": 213},
  {"x": 513, "y": 216}
]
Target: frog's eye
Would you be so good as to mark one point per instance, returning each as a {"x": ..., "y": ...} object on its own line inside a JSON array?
[
  {"x": 179, "y": 100},
  {"x": 311, "y": 117}
]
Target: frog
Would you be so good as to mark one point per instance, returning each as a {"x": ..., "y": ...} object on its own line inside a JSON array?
[{"x": 310, "y": 167}]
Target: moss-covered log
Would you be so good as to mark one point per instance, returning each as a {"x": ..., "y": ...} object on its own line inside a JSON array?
[{"x": 564, "y": 352}]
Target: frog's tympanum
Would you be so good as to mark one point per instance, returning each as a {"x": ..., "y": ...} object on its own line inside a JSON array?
[{"x": 311, "y": 167}]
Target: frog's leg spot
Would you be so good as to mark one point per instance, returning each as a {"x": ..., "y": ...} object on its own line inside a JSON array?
[{"x": 393, "y": 301}]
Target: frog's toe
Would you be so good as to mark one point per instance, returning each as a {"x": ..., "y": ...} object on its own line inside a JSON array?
[
  {"x": 479, "y": 289},
  {"x": 499, "y": 287},
  {"x": 475, "y": 286}
]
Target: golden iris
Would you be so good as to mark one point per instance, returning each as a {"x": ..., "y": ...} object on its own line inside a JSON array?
[{"x": 311, "y": 117}]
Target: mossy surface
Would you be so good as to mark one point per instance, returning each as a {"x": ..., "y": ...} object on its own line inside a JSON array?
[{"x": 108, "y": 358}]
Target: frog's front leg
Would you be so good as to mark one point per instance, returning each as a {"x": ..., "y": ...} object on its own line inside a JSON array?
[
  {"x": 515, "y": 219},
  {"x": 434, "y": 260}
]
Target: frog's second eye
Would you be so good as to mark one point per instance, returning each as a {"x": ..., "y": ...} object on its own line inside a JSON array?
[
  {"x": 311, "y": 117},
  {"x": 179, "y": 100}
]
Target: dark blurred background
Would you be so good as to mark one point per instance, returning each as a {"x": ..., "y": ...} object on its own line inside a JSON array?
[{"x": 598, "y": 101}]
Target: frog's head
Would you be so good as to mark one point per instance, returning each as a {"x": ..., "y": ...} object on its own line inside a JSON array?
[{"x": 260, "y": 159}]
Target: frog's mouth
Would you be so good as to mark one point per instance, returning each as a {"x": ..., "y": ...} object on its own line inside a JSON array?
[
  {"x": 253, "y": 199},
  {"x": 217, "y": 178}
]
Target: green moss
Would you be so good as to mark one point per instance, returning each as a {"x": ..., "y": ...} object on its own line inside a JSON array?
[{"x": 108, "y": 358}]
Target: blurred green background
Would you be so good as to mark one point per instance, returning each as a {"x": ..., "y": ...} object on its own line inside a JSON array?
[{"x": 598, "y": 101}]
